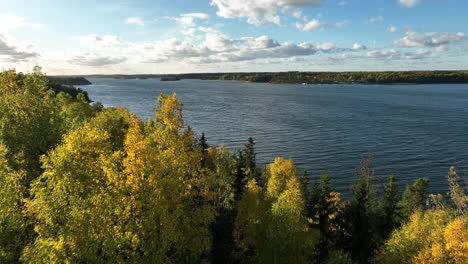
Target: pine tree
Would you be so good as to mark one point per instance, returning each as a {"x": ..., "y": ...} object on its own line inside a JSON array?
[
  {"x": 413, "y": 198},
  {"x": 250, "y": 160},
  {"x": 326, "y": 207},
  {"x": 390, "y": 205},
  {"x": 359, "y": 217},
  {"x": 246, "y": 167},
  {"x": 305, "y": 180},
  {"x": 204, "y": 146},
  {"x": 239, "y": 183}
]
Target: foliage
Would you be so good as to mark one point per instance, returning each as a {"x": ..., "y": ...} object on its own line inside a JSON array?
[
  {"x": 323, "y": 210},
  {"x": 80, "y": 183},
  {"x": 456, "y": 192},
  {"x": 246, "y": 168},
  {"x": 390, "y": 205},
  {"x": 14, "y": 226},
  {"x": 413, "y": 198},
  {"x": 432, "y": 236},
  {"x": 136, "y": 196}
]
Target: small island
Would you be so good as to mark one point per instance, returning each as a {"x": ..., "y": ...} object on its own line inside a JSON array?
[
  {"x": 69, "y": 80},
  {"x": 170, "y": 78}
]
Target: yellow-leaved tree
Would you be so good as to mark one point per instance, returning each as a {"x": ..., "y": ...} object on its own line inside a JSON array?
[
  {"x": 250, "y": 212},
  {"x": 436, "y": 235},
  {"x": 432, "y": 236},
  {"x": 118, "y": 191},
  {"x": 14, "y": 226},
  {"x": 279, "y": 233}
]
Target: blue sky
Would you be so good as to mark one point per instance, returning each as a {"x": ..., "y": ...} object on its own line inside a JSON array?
[{"x": 85, "y": 37}]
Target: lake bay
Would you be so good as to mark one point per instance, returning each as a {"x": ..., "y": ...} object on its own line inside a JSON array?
[{"x": 413, "y": 131}]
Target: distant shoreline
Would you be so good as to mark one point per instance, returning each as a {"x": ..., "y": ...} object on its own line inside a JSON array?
[{"x": 388, "y": 78}]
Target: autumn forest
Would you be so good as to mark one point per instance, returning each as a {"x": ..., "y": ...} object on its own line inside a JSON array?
[{"x": 82, "y": 183}]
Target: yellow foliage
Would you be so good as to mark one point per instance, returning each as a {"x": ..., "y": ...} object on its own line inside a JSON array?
[
  {"x": 116, "y": 191},
  {"x": 250, "y": 210},
  {"x": 449, "y": 246},
  {"x": 281, "y": 171},
  {"x": 456, "y": 240},
  {"x": 428, "y": 237}
]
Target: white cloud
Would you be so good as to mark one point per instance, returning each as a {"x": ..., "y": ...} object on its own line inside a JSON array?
[
  {"x": 341, "y": 24},
  {"x": 189, "y": 32},
  {"x": 393, "y": 54},
  {"x": 138, "y": 21},
  {"x": 218, "y": 48},
  {"x": 93, "y": 59},
  {"x": 9, "y": 22},
  {"x": 16, "y": 51},
  {"x": 314, "y": 24},
  {"x": 259, "y": 12},
  {"x": 409, "y": 3},
  {"x": 433, "y": 40},
  {"x": 392, "y": 29},
  {"x": 342, "y": 3},
  {"x": 95, "y": 41},
  {"x": 197, "y": 15},
  {"x": 217, "y": 42},
  {"x": 263, "y": 42},
  {"x": 358, "y": 47},
  {"x": 188, "y": 20},
  {"x": 376, "y": 19},
  {"x": 297, "y": 14}
]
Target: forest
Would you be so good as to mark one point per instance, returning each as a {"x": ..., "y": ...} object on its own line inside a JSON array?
[
  {"x": 69, "y": 80},
  {"x": 81, "y": 183},
  {"x": 390, "y": 77}
]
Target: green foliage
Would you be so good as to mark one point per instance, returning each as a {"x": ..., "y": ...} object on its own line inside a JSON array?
[
  {"x": 413, "y": 198},
  {"x": 14, "y": 225},
  {"x": 246, "y": 167},
  {"x": 406, "y": 242},
  {"x": 456, "y": 192},
  {"x": 270, "y": 225},
  {"x": 338, "y": 257},
  {"x": 33, "y": 119},
  {"x": 337, "y": 77},
  {"x": 115, "y": 192},
  {"x": 360, "y": 216},
  {"x": 323, "y": 209},
  {"x": 80, "y": 183},
  {"x": 390, "y": 205}
]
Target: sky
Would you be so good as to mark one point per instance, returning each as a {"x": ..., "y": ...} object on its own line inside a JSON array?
[{"x": 189, "y": 36}]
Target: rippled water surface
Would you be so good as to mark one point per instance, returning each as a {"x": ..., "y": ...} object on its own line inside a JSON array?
[{"x": 413, "y": 130}]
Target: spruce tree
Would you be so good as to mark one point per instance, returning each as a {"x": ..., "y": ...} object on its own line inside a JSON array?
[
  {"x": 204, "y": 146},
  {"x": 359, "y": 218},
  {"x": 246, "y": 167},
  {"x": 305, "y": 180},
  {"x": 250, "y": 160},
  {"x": 413, "y": 198},
  {"x": 326, "y": 209},
  {"x": 390, "y": 205}
]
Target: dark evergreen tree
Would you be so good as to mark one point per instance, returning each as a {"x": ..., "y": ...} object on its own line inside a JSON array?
[
  {"x": 390, "y": 205},
  {"x": 246, "y": 167},
  {"x": 239, "y": 182},
  {"x": 413, "y": 198},
  {"x": 204, "y": 146},
  {"x": 305, "y": 180},
  {"x": 325, "y": 208},
  {"x": 250, "y": 160},
  {"x": 359, "y": 218}
]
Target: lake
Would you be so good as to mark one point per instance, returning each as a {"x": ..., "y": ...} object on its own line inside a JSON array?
[{"x": 413, "y": 131}]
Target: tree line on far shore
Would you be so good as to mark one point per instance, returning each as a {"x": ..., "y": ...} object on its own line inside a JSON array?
[{"x": 388, "y": 77}]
